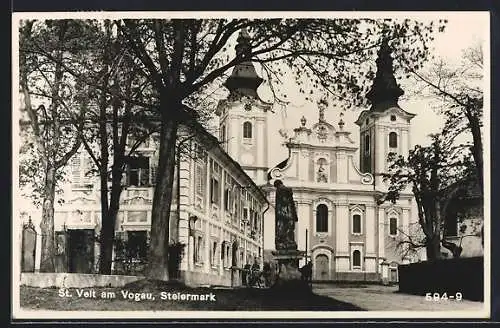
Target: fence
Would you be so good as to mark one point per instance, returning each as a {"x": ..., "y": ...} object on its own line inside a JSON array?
[{"x": 450, "y": 276}]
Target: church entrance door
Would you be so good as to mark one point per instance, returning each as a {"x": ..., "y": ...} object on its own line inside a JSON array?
[{"x": 321, "y": 267}]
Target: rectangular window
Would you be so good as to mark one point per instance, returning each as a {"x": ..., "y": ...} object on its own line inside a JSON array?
[
  {"x": 81, "y": 169},
  {"x": 245, "y": 215},
  {"x": 223, "y": 252},
  {"x": 215, "y": 168},
  {"x": 256, "y": 221},
  {"x": 393, "y": 226},
  {"x": 76, "y": 169},
  {"x": 226, "y": 256},
  {"x": 199, "y": 250},
  {"x": 138, "y": 171},
  {"x": 356, "y": 223},
  {"x": 214, "y": 191},
  {"x": 213, "y": 259},
  {"x": 200, "y": 179},
  {"x": 227, "y": 195}
]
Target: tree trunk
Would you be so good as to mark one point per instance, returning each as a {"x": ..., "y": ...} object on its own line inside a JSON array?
[
  {"x": 47, "y": 263},
  {"x": 162, "y": 199},
  {"x": 108, "y": 225},
  {"x": 477, "y": 148},
  {"x": 433, "y": 248},
  {"x": 104, "y": 257}
]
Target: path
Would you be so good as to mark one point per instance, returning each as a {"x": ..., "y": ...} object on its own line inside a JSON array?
[{"x": 386, "y": 298}]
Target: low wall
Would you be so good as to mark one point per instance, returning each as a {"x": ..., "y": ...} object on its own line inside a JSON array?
[
  {"x": 75, "y": 280},
  {"x": 357, "y": 276},
  {"x": 195, "y": 279},
  {"x": 364, "y": 277},
  {"x": 464, "y": 275}
]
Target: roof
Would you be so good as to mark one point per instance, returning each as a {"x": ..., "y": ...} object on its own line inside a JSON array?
[
  {"x": 380, "y": 112},
  {"x": 385, "y": 89},
  {"x": 244, "y": 79}
]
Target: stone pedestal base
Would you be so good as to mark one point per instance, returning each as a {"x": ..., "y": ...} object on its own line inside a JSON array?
[{"x": 289, "y": 276}]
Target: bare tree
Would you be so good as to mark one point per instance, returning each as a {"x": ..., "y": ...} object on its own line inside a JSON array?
[
  {"x": 459, "y": 91},
  {"x": 50, "y": 142},
  {"x": 433, "y": 173}
]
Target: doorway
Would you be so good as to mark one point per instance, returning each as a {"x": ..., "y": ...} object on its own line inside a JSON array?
[
  {"x": 321, "y": 267},
  {"x": 393, "y": 275},
  {"x": 81, "y": 251}
]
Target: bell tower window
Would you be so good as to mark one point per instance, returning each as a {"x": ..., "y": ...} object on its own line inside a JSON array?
[
  {"x": 367, "y": 144},
  {"x": 393, "y": 140},
  {"x": 393, "y": 226},
  {"x": 247, "y": 130},
  {"x": 356, "y": 224}
]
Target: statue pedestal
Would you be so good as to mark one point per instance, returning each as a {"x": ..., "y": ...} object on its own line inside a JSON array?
[{"x": 289, "y": 277}]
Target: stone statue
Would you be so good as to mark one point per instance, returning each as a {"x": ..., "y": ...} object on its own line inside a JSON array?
[
  {"x": 286, "y": 216},
  {"x": 322, "y": 177}
]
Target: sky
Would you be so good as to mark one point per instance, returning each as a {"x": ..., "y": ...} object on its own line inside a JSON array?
[{"x": 463, "y": 30}]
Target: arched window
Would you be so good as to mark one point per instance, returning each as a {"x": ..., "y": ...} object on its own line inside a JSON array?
[
  {"x": 393, "y": 140},
  {"x": 367, "y": 144},
  {"x": 356, "y": 223},
  {"x": 393, "y": 118},
  {"x": 322, "y": 218},
  {"x": 247, "y": 130},
  {"x": 393, "y": 226},
  {"x": 356, "y": 259}
]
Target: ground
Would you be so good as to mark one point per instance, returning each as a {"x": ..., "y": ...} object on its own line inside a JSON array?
[
  {"x": 387, "y": 298},
  {"x": 325, "y": 297}
]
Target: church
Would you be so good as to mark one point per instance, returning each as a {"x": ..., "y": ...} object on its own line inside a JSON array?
[{"x": 223, "y": 210}]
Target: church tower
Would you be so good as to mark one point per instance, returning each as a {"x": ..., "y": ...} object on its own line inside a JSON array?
[
  {"x": 243, "y": 129},
  {"x": 385, "y": 127}
]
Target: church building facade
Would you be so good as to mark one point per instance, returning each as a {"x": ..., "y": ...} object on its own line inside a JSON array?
[{"x": 343, "y": 226}]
